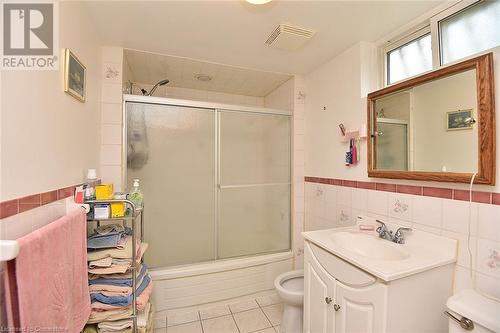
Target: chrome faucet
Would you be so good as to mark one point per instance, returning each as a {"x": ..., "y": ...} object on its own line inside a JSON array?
[{"x": 384, "y": 233}]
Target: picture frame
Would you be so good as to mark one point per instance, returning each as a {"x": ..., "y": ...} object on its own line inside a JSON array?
[
  {"x": 455, "y": 120},
  {"x": 75, "y": 76}
]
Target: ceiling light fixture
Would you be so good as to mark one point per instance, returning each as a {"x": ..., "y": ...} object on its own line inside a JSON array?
[
  {"x": 258, "y": 2},
  {"x": 203, "y": 77}
]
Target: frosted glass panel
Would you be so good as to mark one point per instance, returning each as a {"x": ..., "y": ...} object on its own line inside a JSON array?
[
  {"x": 254, "y": 220},
  {"x": 255, "y": 148},
  {"x": 471, "y": 31},
  {"x": 172, "y": 151},
  {"x": 392, "y": 146},
  {"x": 410, "y": 59}
]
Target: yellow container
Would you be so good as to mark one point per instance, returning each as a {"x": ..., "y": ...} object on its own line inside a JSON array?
[
  {"x": 104, "y": 191},
  {"x": 117, "y": 209}
]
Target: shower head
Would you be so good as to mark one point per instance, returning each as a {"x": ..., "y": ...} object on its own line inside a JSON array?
[{"x": 161, "y": 83}]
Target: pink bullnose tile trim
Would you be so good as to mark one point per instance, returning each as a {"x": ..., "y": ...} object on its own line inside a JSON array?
[
  {"x": 386, "y": 187},
  {"x": 438, "y": 192},
  {"x": 495, "y": 198},
  {"x": 367, "y": 185},
  {"x": 409, "y": 189},
  {"x": 349, "y": 183},
  {"x": 19, "y": 205},
  {"x": 9, "y": 208}
]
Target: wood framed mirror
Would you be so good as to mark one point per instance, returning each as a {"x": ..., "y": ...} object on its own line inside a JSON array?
[{"x": 439, "y": 126}]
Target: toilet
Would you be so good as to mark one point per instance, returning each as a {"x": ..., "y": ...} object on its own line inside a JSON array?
[
  {"x": 290, "y": 288},
  {"x": 472, "y": 308}
]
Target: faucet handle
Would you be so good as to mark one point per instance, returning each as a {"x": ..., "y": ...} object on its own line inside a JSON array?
[
  {"x": 382, "y": 226},
  {"x": 399, "y": 236}
]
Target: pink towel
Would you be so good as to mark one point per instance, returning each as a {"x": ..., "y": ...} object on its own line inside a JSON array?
[{"x": 51, "y": 271}]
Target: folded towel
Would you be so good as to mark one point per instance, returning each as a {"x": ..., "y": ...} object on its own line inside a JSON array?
[
  {"x": 110, "y": 288},
  {"x": 120, "y": 253},
  {"x": 116, "y": 313},
  {"x": 51, "y": 271},
  {"x": 121, "y": 300},
  {"x": 110, "y": 238},
  {"x": 144, "y": 320},
  {"x": 108, "y": 228},
  {"x": 141, "y": 301},
  {"x": 104, "y": 262},
  {"x": 128, "y": 274},
  {"x": 113, "y": 269},
  {"x": 126, "y": 282}
]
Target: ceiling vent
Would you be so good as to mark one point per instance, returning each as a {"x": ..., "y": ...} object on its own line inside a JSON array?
[{"x": 287, "y": 37}]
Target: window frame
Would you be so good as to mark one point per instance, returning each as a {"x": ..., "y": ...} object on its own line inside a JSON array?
[
  {"x": 430, "y": 24},
  {"x": 407, "y": 39}
]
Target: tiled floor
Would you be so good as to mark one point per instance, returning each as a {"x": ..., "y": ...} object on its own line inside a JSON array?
[{"x": 262, "y": 315}]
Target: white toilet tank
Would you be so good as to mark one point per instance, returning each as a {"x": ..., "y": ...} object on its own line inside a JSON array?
[{"x": 482, "y": 311}]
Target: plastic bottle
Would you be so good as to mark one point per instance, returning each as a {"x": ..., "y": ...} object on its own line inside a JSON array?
[{"x": 136, "y": 195}]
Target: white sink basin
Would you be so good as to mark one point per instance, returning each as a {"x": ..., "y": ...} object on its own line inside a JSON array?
[
  {"x": 369, "y": 246},
  {"x": 382, "y": 258}
]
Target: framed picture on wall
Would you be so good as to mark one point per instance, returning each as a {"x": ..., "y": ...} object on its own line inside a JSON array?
[
  {"x": 459, "y": 120},
  {"x": 74, "y": 76}
]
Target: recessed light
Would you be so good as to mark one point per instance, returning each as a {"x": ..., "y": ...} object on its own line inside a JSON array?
[
  {"x": 258, "y": 2},
  {"x": 203, "y": 77}
]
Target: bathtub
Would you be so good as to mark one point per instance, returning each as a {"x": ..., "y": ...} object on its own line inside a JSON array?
[{"x": 195, "y": 284}]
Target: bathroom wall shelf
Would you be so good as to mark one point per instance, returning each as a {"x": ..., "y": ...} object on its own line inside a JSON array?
[{"x": 137, "y": 212}]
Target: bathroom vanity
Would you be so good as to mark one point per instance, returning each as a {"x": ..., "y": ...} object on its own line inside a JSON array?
[{"x": 355, "y": 281}]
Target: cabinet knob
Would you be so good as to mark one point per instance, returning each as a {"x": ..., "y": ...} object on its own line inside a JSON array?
[
  {"x": 328, "y": 300},
  {"x": 336, "y": 307}
]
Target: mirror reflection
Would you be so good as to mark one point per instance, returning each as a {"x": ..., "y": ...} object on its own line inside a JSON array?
[{"x": 430, "y": 127}]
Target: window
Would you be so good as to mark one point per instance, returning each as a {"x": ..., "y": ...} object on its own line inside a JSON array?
[
  {"x": 459, "y": 31},
  {"x": 472, "y": 30},
  {"x": 410, "y": 59}
]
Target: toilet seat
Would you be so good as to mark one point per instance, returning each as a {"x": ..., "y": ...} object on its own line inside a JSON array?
[{"x": 294, "y": 292}]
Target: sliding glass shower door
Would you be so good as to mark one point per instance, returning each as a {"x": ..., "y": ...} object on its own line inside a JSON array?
[
  {"x": 254, "y": 197},
  {"x": 171, "y": 149},
  {"x": 216, "y": 182}
]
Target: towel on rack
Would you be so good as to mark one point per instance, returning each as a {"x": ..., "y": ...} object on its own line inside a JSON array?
[
  {"x": 51, "y": 271},
  {"x": 143, "y": 319},
  {"x": 117, "y": 313},
  {"x": 108, "y": 238},
  {"x": 116, "y": 290},
  {"x": 128, "y": 274},
  {"x": 125, "y": 282},
  {"x": 121, "y": 300},
  {"x": 141, "y": 301},
  {"x": 119, "y": 253}
]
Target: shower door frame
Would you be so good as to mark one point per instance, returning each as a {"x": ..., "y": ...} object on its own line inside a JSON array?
[{"x": 217, "y": 108}]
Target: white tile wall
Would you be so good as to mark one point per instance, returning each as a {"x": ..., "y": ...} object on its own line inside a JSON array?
[
  {"x": 111, "y": 116},
  {"x": 292, "y": 91},
  {"x": 327, "y": 205}
]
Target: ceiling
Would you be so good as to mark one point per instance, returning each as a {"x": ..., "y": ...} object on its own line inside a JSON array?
[
  {"x": 234, "y": 32},
  {"x": 150, "y": 68}
]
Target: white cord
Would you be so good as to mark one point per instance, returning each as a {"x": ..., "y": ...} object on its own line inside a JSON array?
[
  {"x": 469, "y": 226},
  {"x": 472, "y": 277}
]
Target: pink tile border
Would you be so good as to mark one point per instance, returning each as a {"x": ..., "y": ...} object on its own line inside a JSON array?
[
  {"x": 436, "y": 192},
  {"x": 19, "y": 205}
]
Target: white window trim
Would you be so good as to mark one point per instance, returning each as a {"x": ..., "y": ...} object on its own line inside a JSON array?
[
  {"x": 415, "y": 34},
  {"x": 427, "y": 23}
]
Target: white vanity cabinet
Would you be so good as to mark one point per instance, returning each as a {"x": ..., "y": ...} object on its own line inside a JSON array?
[{"x": 342, "y": 298}]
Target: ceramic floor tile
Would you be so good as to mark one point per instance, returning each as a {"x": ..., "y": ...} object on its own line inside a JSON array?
[
  {"x": 160, "y": 330},
  {"x": 194, "y": 327},
  {"x": 213, "y": 312},
  {"x": 251, "y": 321},
  {"x": 277, "y": 329},
  {"x": 266, "y": 330},
  {"x": 274, "y": 313},
  {"x": 243, "y": 306},
  {"x": 268, "y": 300},
  {"x": 177, "y": 318},
  {"x": 223, "y": 324}
]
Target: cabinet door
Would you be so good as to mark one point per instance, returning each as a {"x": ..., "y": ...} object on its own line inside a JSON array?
[
  {"x": 319, "y": 297},
  {"x": 362, "y": 310}
]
